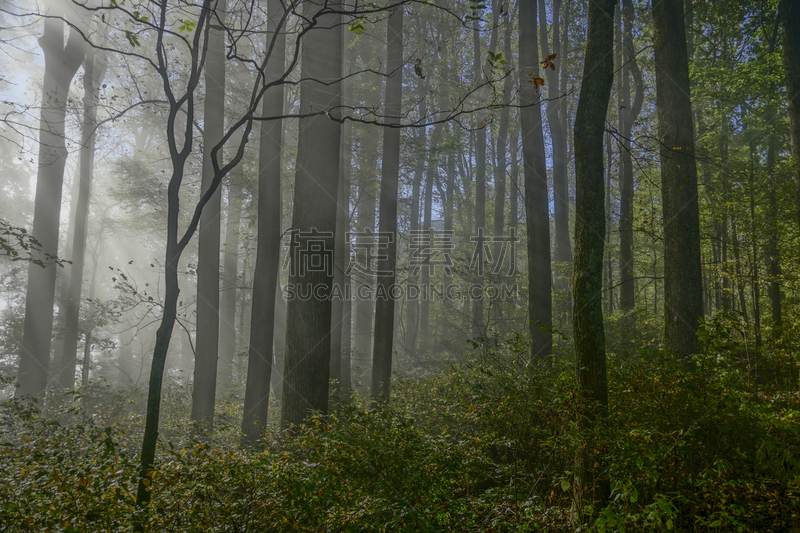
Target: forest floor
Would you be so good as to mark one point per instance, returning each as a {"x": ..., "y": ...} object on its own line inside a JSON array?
[{"x": 482, "y": 443}]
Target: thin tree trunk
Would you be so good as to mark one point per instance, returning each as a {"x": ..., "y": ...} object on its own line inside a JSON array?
[
  {"x": 502, "y": 163},
  {"x": 412, "y": 304},
  {"x": 556, "y": 113},
  {"x": 683, "y": 291},
  {"x": 738, "y": 265},
  {"x": 87, "y": 344},
  {"x": 387, "y": 265},
  {"x": 478, "y": 322},
  {"x": 61, "y": 63},
  {"x": 590, "y": 355},
  {"x": 628, "y": 115},
  {"x": 230, "y": 280},
  {"x": 265, "y": 275}
]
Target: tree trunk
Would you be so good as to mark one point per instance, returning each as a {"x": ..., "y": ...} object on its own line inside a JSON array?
[
  {"x": 412, "y": 304},
  {"x": 479, "y": 325},
  {"x": 268, "y": 248},
  {"x": 364, "y": 307},
  {"x": 94, "y": 72},
  {"x": 628, "y": 115},
  {"x": 308, "y": 340},
  {"x": 536, "y": 197},
  {"x": 230, "y": 280},
  {"x": 61, "y": 63},
  {"x": 590, "y": 354},
  {"x": 683, "y": 290},
  {"x": 387, "y": 265},
  {"x": 790, "y": 43},
  {"x": 556, "y": 111},
  {"x": 502, "y": 163},
  {"x": 208, "y": 247},
  {"x": 341, "y": 253}
]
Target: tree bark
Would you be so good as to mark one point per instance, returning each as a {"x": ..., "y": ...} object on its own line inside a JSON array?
[
  {"x": 61, "y": 63},
  {"x": 230, "y": 279},
  {"x": 628, "y": 115},
  {"x": 556, "y": 110},
  {"x": 590, "y": 355},
  {"x": 536, "y": 197},
  {"x": 790, "y": 43},
  {"x": 265, "y": 275},
  {"x": 387, "y": 265},
  {"x": 208, "y": 247},
  {"x": 308, "y": 340},
  {"x": 683, "y": 290},
  {"x": 94, "y": 72}
]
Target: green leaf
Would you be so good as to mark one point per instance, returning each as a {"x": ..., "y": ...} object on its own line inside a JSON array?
[
  {"x": 565, "y": 485},
  {"x": 357, "y": 28}
]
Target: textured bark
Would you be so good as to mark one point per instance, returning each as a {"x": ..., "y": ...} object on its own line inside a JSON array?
[
  {"x": 94, "y": 72},
  {"x": 385, "y": 307},
  {"x": 536, "y": 198},
  {"x": 230, "y": 280},
  {"x": 590, "y": 354},
  {"x": 628, "y": 113},
  {"x": 207, "y": 337},
  {"x": 341, "y": 254},
  {"x": 790, "y": 43},
  {"x": 308, "y": 340},
  {"x": 268, "y": 248},
  {"x": 61, "y": 63},
  {"x": 683, "y": 290}
]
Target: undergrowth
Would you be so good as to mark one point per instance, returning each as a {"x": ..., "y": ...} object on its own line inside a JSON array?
[{"x": 485, "y": 444}]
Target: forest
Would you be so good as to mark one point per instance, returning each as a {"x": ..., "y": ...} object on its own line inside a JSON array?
[{"x": 402, "y": 265}]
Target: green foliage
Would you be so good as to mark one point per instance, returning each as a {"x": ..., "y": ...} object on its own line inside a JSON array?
[{"x": 484, "y": 444}]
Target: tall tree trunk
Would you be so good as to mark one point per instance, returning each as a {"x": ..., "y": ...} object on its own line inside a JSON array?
[
  {"x": 502, "y": 163},
  {"x": 87, "y": 344},
  {"x": 387, "y": 265},
  {"x": 790, "y": 43},
  {"x": 590, "y": 354},
  {"x": 230, "y": 279},
  {"x": 432, "y": 176},
  {"x": 265, "y": 275},
  {"x": 308, "y": 323},
  {"x": 556, "y": 112},
  {"x": 478, "y": 322},
  {"x": 412, "y": 304},
  {"x": 683, "y": 290},
  {"x": 341, "y": 254},
  {"x": 61, "y": 63},
  {"x": 94, "y": 72},
  {"x": 364, "y": 307},
  {"x": 208, "y": 247},
  {"x": 754, "y": 251},
  {"x": 773, "y": 251},
  {"x": 628, "y": 115},
  {"x": 536, "y": 198},
  {"x": 737, "y": 258}
]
